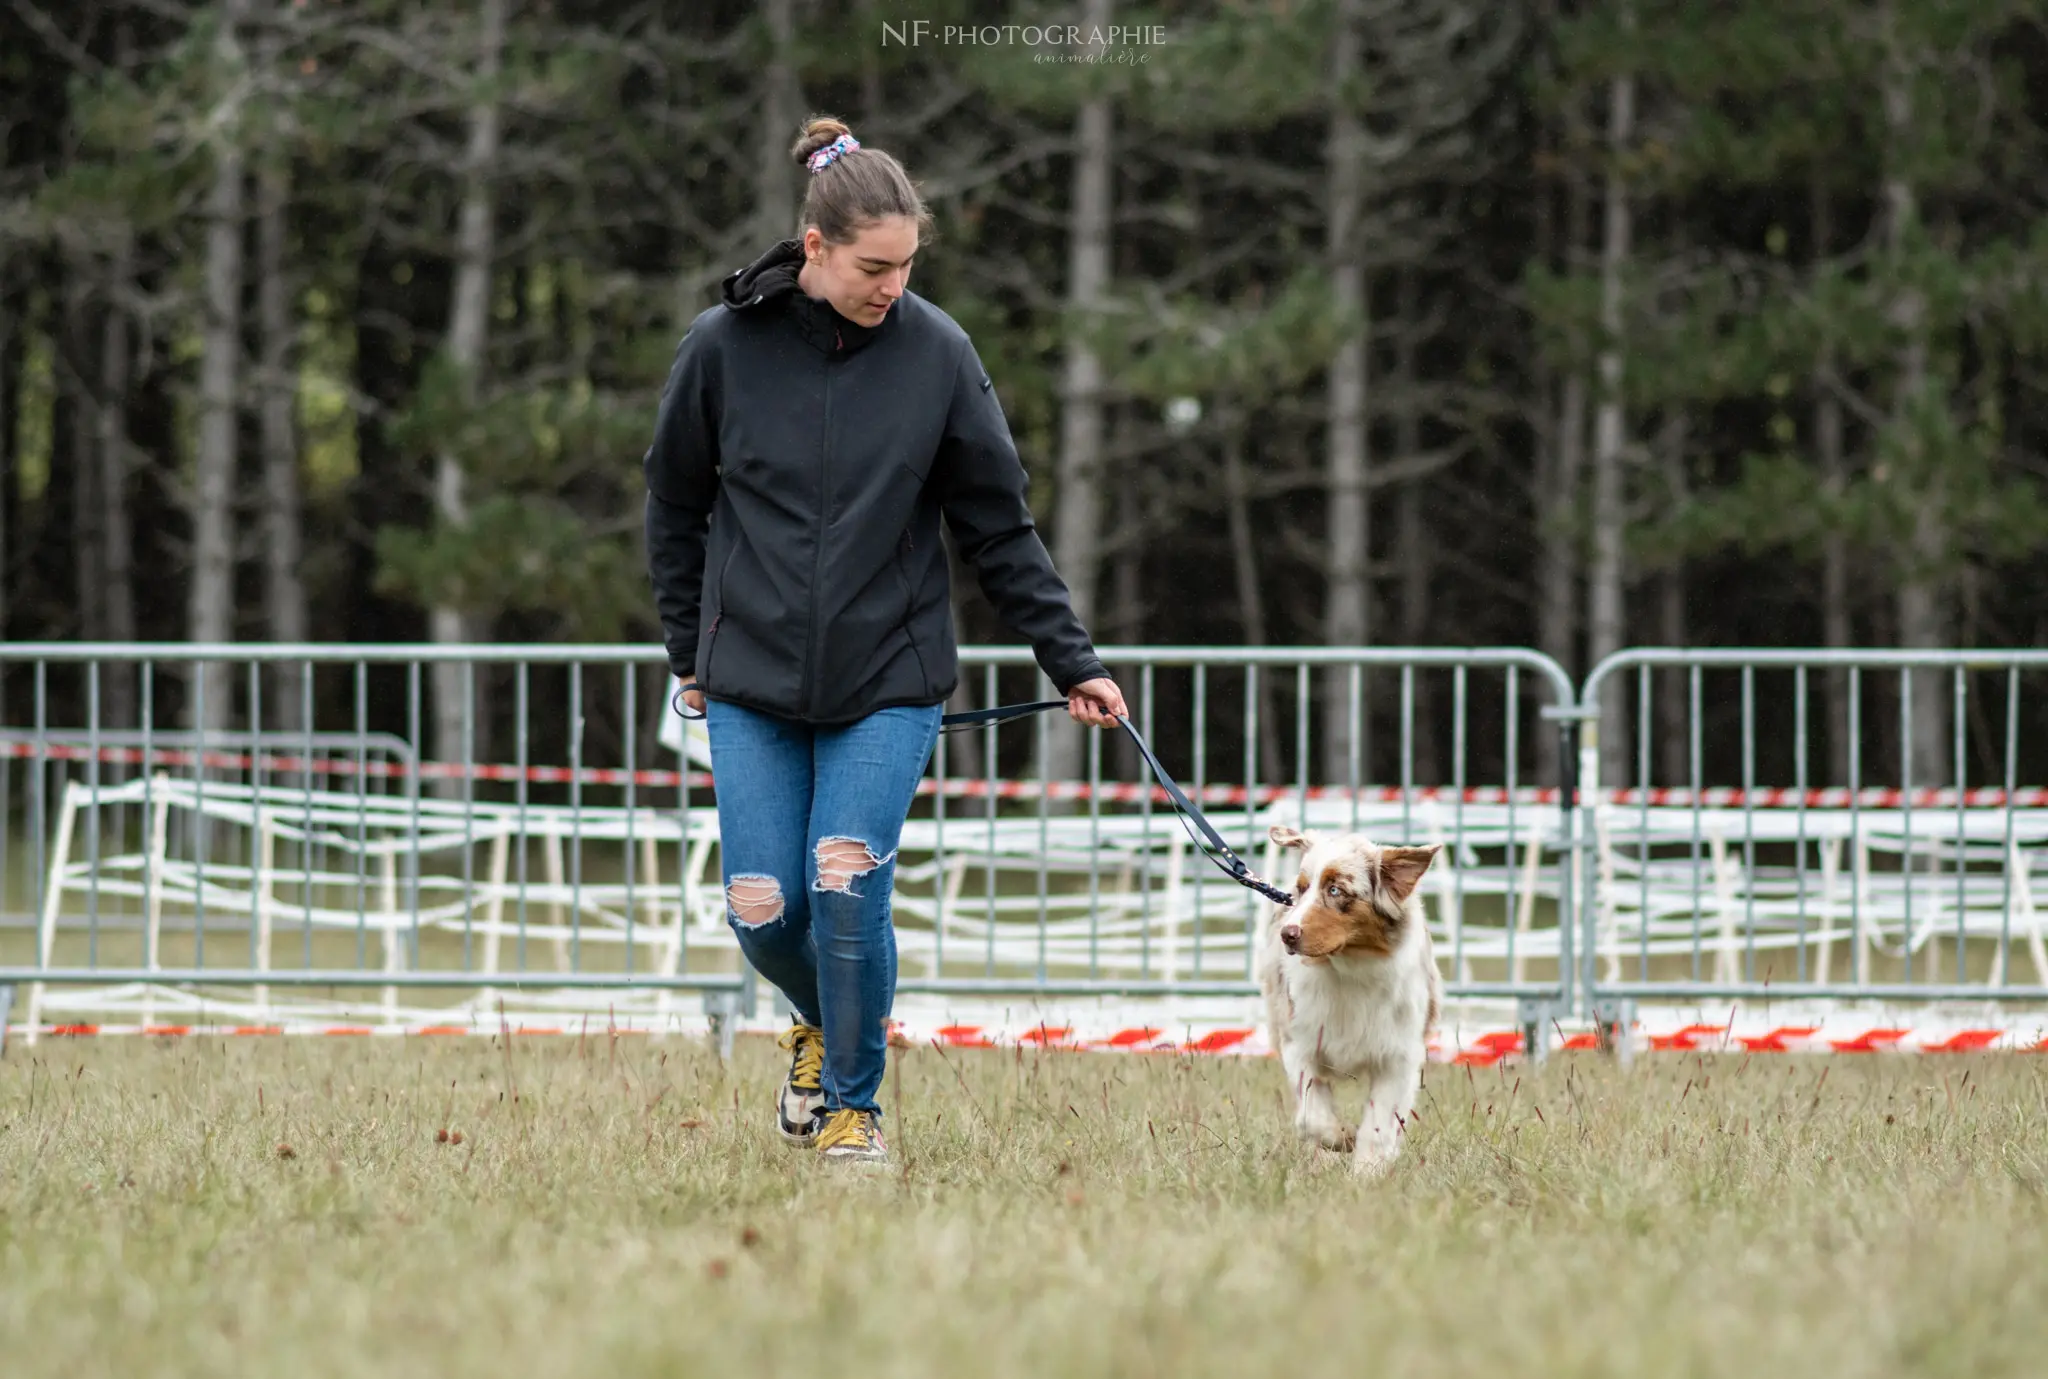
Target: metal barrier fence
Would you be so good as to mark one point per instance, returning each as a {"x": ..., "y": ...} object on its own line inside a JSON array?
[
  {"x": 416, "y": 834},
  {"x": 1791, "y": 826}
]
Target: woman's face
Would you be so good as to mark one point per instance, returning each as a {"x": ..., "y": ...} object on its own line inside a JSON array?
[{"x": 862, "y": 279}]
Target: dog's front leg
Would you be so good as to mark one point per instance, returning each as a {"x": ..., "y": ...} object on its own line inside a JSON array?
[
  {"x": 1315, "y": 1106},
  {"x": 1389, "y": 1103}
]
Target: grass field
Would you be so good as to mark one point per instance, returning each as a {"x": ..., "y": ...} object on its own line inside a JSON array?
[{"x": 620, "y": 1208}]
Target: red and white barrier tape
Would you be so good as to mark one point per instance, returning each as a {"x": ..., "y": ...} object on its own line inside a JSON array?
[
  {"x": 282, "y": 764},
  {"x": 1774, "y": 797},
  {"x": 1115, "y": 792},
  {"x": 1486, "y": 1048},
  {"x": 1478, "y": 1050}
]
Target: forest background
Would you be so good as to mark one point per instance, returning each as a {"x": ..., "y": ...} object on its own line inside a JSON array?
[{"x": 1317, "y": 322}]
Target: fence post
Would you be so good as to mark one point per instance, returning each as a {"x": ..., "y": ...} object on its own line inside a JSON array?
[
  {"x": 1567, "y": 717},
  {"x": 1612, "y": 1020},
  {"x": 6, "y": 1014},
  {"x": 1587, "y": 786}
]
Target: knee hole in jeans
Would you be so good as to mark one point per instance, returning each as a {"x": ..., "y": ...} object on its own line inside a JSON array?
[
  {"x": 840, "y": 860},
  {"x": 754, "y": 900}
]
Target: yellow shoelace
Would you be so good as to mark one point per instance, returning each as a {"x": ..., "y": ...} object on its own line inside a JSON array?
[
  {"x": 808, "y": 1042},
  {"x": 846, "y": 1127}
]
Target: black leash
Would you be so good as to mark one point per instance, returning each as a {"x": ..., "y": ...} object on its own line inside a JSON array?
[
  {"x": 1210, "y": 842},
  {"x": 1191, "y": 817}
]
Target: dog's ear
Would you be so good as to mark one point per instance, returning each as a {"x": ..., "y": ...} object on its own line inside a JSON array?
[
  {"x": 1291, "y": 837},
  {"x": 1402, "y": 868}
]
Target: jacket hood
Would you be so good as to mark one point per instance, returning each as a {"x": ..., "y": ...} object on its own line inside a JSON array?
[
  {"x": 772, "y": 279},
  {"x": 771, "y": 276}
]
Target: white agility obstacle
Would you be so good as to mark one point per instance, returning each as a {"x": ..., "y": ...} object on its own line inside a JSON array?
[{"x": 500, "y": 897}]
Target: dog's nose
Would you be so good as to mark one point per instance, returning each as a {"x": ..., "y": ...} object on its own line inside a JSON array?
[{"x": 1290, "y": 938}]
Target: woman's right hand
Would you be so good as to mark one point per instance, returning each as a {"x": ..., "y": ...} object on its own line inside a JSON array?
[{"x": 693, "y": 696}]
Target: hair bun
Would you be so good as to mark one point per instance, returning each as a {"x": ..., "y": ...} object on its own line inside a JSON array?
[{"x": 819, "y": 131}]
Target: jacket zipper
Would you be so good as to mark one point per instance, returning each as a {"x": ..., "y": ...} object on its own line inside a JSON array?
[{"x": 818, "y": 554}]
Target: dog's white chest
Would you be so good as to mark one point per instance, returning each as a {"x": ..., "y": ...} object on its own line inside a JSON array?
[{"x": 1357, "y": 1013}]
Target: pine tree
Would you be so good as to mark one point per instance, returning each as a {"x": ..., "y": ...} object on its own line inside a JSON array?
[{"x": 1902, "y": 331}]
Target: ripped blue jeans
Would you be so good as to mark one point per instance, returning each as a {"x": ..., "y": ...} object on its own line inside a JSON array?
[{"x": 808, "y": 821}]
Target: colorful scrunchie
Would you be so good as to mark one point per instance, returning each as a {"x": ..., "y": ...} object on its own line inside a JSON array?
[{"x": 832, "y": 152}]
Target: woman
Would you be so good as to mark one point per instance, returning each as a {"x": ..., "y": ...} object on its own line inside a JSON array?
[{"x": 816, "y": 427}]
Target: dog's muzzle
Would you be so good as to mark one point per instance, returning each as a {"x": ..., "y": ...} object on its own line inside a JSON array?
[{"x": 1290, "y": 937}]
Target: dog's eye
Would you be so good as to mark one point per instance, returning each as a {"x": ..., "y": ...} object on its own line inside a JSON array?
[{"x": 1334, "y": 891}]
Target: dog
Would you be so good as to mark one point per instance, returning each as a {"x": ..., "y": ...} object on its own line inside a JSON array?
[{"x": 1351, "y": 988}]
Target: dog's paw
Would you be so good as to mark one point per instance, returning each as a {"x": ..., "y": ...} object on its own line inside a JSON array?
[
  {"x": 1371, "y": 1163},
  {"x": 1332, "y": 1137},
  {"x": 1327, "y": 1135}
]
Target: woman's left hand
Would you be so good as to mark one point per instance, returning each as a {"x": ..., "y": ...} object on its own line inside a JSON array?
[{"x": 1097, "y": 703}]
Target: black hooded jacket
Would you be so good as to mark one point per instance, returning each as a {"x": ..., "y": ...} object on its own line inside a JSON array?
[{"x": 800, "y": 468}]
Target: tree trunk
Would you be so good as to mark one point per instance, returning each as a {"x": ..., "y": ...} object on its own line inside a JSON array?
[
  {"x": 1922, "y": 599},
  {"x": 870, "y": 65},
  {"x": 1672, "y": 719},
  {"x": 1411, "y": 525},
  {"x": 1413, "y": 528},
  {"x": 7, "y": 443},
  {"x": 774, "y": 194},
  {"x": 284, "y": 588},
  {"x": 211, "y": 609},
  {"x": 1836, "y": 631},
  {"x": 1347, "y": 607},
  {"x": 117, "y": 524},
  {"x": 468, "y": 338},
  {"x": 78, "y": 376},
  {"x": 1127, "y": 611},
  {"x": 1077, "y": 513},
  {"x": 1923, "y": 620},
  {"x": 1560, "y": 471},
  {"x": 1251, "y": 600},
  {"x": 1604, "y": 617},
  {"x": 1125, "y": 622},
  {"x": 115, "y": 456}
]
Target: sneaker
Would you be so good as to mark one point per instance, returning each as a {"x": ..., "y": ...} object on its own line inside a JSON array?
[
  {"x": 800, "y": 1105},
  {"x": 855, "y": 1137}
]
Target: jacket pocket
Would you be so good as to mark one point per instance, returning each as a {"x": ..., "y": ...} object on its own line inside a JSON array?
[
  {"x": 717, "y": 616},
  {"x": 710, "y": 649},
  {"x": 924, "y": 678}
]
